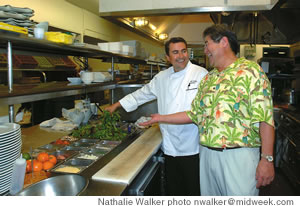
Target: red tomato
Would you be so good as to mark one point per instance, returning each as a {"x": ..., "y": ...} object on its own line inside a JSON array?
[
  {"x": 52, "y": 159},
  {"x": 28, "y": 166},
  {"x": 43, "y": 157},
  {"x": 66, "y": 142},
  {"x": 37, "y": 166},
  {"x": 59, "y": 141}
]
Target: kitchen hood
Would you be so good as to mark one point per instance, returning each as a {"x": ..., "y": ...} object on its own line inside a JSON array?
[
  {"x": 276, "y": 26},
  {"x": 254, "y": 21},
  {"x": 158, "y": 7}
]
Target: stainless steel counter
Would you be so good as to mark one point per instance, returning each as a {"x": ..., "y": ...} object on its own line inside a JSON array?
[{"x": 34, "y": 137}]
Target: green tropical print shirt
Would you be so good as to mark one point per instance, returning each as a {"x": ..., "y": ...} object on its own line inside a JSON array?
[{"x": 230, "y": 104}]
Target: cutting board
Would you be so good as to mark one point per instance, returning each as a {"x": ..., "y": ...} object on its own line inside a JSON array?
[{"x": 124, "y": 167}]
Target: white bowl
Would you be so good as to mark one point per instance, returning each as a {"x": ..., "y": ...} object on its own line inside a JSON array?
[
  {"x": 74, "y": 80},
  {"x": 87, "y": 81}
]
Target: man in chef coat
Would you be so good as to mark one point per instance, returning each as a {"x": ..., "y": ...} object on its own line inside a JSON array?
[{"x": 174, "y": 89}]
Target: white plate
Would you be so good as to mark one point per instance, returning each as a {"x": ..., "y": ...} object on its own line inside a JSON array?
[
  {"x": 4, "y": 137},
  {"x": 74, "y": 80},
  {"x": 11, "y": 152},
  {"x": 6, "y": 128},
  {"x": 9, "y": 165},
  {"x": 10, "y": 136},
  {"x": 96, "y": 80},
  {"x": 10, "y": 140}
]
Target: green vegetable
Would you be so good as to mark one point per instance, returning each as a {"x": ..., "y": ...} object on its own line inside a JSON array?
[
  {"x": 26, "y": 156},
  {"x": 107, "y": 129}
]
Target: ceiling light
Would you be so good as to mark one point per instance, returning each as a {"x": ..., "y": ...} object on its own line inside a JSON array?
[
  {"x": 152, "y": 26},
  {"x": 163, "y": 36},
  {"x": 224, "y": 13},
  {"x": 141, "y": 22}
]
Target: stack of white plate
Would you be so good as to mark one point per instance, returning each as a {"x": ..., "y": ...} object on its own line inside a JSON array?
[{"x": 10, "y": 149}]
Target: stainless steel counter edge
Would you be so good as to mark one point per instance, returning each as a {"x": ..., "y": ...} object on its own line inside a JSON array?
[{"x": 113, "y": 188}]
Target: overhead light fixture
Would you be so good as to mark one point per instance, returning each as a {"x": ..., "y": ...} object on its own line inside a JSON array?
[
  {"x": 163, "y": 36},
  {"x": 225, "y": 13},
  {"x": 152, "y": 26},
  {"x": 141, "y": 22}
]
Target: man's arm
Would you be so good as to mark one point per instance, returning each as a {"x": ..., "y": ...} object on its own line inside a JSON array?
[
  {"x": 176, "y": 118},
  {"x": 265, "y": 170},
  {"x": 113, "y": 107}
]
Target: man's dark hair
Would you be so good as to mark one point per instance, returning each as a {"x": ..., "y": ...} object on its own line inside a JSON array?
[
  {"x": 173, "y": 40},
  {"x": 216, "y": 32}
]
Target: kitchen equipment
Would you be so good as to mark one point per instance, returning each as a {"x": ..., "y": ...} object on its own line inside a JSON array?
[
  {"x": 288, "y": 96},
  {"x": 39, "y": 33},
  {"x": 287, "y": 146},
  {"x": 87, "y": 77},
  {"x": 143, "y": 110},
  {"x": 63, "y": 185},
  {"x": 43, "y": 62},
  {"x": 44, "y": 25},
  {"x": 24, "y": 61},
  {"x": 74, "y": 80},
  {"x": 18, "y": 176},
  {"x": 10, "y": 149},
  {"x": 59, "y": 37},
  {"x": 102, "y": 76}
]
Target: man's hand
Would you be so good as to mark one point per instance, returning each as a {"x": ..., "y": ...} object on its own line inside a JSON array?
[
  {"x": 264, "y": 173},
  {"x": 113, "y": 107},
  {"x": 154, "y": 119}
]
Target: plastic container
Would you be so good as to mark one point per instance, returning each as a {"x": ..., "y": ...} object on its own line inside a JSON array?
[
  {"x": 17, "y": 180},
  {"x": 24, "y": 61},
  {"x": 59, "y": 37},
  {"x": 43, "y": 62},
  {"x": 69, "y": 63}
]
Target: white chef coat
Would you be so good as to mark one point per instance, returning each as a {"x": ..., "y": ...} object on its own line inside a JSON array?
[{"x": 174, "y": 92}]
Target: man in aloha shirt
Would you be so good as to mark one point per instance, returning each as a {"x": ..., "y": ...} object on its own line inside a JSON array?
[
  {"x": 234, "y": 112},
  {"x": 229, "y": 103},
  {"x": 227, "y": 109}
]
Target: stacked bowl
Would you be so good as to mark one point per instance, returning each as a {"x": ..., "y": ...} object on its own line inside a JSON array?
[{"x": 10, "y": 149}]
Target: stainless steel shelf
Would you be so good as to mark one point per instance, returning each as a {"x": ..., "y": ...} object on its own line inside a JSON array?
[
  {"x": 42, "y": 70},
  {"x": 61, "y": 91}
]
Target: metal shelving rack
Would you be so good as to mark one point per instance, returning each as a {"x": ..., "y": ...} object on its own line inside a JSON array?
[{"x": 18, "y": 43}]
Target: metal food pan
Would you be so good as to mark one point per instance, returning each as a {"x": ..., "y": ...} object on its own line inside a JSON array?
[
  {"x": 81, "y": 144},
  {"x": 50, "y": 147},
  {"x": 73, "y": 148},
  {"x": 96, "y": 151},
  {"x": 62, "y": 155},
  {"x": 89, "y": 156},
  {"x": 79, "y": 162},
  {"x": 89, "y": 140},
  {"x": 108, "y": 143},
  {"x": 68, "y": 169},
  {"x": 35, "y": 152}
]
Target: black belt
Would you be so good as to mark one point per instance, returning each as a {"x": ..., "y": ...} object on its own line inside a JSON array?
[{"x": 221, "y": 149}]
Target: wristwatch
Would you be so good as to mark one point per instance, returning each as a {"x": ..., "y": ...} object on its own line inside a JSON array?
[{"x": 267, "y": 157}]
